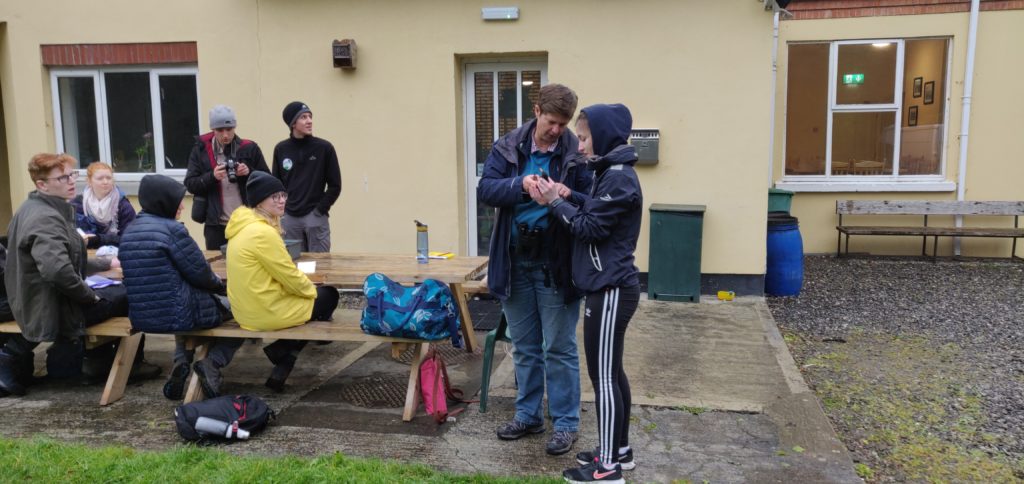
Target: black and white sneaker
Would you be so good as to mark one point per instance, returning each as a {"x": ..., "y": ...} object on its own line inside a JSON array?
[
  {"x": 593, "y": 472},
  {"x": 625, "y": 460}
]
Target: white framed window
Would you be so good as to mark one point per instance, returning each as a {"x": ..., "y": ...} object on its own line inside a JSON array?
[
  {"x": 139, "y": 119},
  {"x": 867, "y": 115}
]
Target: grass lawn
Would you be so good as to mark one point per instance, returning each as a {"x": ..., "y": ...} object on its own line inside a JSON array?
[{"x": 45, "y": 460}]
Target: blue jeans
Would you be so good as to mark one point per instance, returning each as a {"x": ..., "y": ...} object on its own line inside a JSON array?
[{"x": 543, "y": 331}]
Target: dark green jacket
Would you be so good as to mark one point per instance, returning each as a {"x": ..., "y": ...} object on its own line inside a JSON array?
[{"x": 46, "y": 261}]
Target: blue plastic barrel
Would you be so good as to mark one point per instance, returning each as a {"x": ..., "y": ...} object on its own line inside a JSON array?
[{"x": 785, "y": 272}]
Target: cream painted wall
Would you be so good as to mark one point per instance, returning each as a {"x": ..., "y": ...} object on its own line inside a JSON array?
[
  {"x": 994, "y": 170},
  {"x": 396, "y": 120}
]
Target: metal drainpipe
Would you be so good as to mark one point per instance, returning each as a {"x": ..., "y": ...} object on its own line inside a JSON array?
[
  {"x": 965, "y": 119},
  {"x": 771, "y": 117}
]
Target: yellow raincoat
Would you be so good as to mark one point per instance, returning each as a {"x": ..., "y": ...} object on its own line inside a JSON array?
[{"x": 267, "y": 291}]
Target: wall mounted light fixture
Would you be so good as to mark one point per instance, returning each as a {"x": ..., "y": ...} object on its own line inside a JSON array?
[{"x": 499, "y": 13}]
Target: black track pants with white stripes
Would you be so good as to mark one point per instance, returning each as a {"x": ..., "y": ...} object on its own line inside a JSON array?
[{"x": 604, "y": 328}]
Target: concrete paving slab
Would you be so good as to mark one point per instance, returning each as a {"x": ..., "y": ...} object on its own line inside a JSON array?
[{"x": 716, "y": 397}]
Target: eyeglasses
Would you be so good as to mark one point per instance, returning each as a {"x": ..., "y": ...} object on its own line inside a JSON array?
[
  {"x": 280, "y": 196},
  {"x": 70, "y": 177}
]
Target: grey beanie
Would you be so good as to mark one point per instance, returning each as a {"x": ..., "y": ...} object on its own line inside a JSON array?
[
  {"x": 260, "y": 186},
  {"x": 222, "y": 116}
]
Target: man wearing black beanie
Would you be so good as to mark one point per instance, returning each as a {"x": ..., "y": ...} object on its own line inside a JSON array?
[{"x": 308, "y": 168}]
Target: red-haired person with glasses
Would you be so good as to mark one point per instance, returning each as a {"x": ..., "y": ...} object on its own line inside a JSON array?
[{"x": 46, "y": 264}]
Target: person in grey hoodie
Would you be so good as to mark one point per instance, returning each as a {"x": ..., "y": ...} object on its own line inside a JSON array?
[{"x": 605, "y": 227}]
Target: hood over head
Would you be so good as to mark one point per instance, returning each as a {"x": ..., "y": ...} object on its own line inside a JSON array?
[
  {"x": 610, "y": 126},
  {"x": 160, "y": 195}
]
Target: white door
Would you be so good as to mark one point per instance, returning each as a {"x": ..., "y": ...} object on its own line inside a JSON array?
[{"x": 499, "y": 97}]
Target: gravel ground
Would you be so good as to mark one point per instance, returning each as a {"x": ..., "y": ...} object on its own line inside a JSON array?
[{"x": 976, "y": 307}]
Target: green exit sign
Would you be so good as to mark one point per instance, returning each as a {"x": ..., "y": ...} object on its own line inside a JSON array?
[{"x": 853, "y": 78}]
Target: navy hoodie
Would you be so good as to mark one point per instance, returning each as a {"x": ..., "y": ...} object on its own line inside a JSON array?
[{"x": 606, "y": 225}]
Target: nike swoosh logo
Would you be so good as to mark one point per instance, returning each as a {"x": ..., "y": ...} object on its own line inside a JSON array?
[
  {"x": 602, "y": 475},
  {"x": 606, "y": 197}
]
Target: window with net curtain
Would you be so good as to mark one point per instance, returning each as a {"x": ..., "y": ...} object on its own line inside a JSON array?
[{"x": 882, "y": 124}]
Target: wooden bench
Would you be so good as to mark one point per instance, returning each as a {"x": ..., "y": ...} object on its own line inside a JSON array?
[
  {"x": 114, "y": 328},
  {"x": 345, "y": 327},
  {"x": 926, "y": 208}
]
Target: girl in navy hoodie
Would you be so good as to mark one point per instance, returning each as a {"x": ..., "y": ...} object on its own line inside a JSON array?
[{"x": 606, "y": 228}]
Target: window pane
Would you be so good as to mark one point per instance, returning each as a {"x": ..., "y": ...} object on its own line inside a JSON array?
[
  {"x": 530, "y": 93},
  {"x": 130, "y": 118},
  {"x": 179, "y": 113},
  {"x": 508, "y": 97},
  {"x": 866, "y": 74},
  {"x": 484, "y": 109},
  {"x": 806, "y": 109},
  {"x": 924, "y": 90},
  {"x": 78, "y": 118},
  {"x": 862, "y": 143}
]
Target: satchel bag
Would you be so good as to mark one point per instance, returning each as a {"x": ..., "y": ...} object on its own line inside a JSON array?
[
  {"x": 243, "y": 412},
  {"x": 199, "y": 209}
]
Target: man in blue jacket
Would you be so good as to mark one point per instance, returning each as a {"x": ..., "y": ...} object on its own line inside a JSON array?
[{"x": 530, "y": 265}]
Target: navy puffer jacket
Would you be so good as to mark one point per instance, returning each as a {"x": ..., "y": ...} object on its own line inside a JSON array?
[{"x": 170, "y": 284}]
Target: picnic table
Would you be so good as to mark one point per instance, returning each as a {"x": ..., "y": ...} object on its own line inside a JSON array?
[{"x": 349, "y": 270}]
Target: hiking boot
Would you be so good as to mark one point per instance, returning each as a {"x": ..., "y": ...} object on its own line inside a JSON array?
[
  {"x": 561, "y": 442},
  {"x": 143, "y": 370},
  {"x": 593, "y": 472},
  {"x": 209, "y": 377},
  {"x": 516, "y": 429},
  {"x": 174, "y": 389},
  {"x": 9, "y": 375},
  {"x": 280, "y": 373},
  {"x": 625, "y": 460}
]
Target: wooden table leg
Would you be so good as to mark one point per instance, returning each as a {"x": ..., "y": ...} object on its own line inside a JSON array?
[
  {"x": 467, "y": 320},
  {"x": 121, "y": 369},
  {"x": 195, "y": 391},
  {"x": 412, "y": 393}
]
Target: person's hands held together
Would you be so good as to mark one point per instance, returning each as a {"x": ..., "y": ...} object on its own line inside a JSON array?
[{"x": 545, "y": 192}]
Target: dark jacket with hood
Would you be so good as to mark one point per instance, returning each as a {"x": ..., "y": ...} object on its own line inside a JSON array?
[
  {"x": 88, "y": 224},
  {"x": 170, "y": 285},
  {"x": 46, "y": 263},
  {"x": 502, "y": 187},
  {"x": 607, "y": 224},
  {"x": 199, "y": 177}
]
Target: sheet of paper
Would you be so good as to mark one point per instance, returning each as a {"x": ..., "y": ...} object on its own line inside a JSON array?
[
  {"x": 307, "y": 267},
  {"x": 97, "y": 282}
]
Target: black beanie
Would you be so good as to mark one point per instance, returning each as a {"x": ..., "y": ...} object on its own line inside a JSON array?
[
  {"x": 260, "y": 186},
  {"x": 292, "y": 112}
]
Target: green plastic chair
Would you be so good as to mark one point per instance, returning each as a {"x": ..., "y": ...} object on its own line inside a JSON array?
[{"x": 497, "y": 334}]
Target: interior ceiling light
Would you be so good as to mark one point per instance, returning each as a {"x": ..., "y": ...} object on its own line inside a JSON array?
[
  {"x": 527, "y": 83},
  {"x": 881, "y": 45}
]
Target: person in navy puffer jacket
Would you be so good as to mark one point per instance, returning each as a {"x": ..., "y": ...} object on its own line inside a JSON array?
[
  {"x": 606, "y": 227},
  {"x": 170, "y": 284}
]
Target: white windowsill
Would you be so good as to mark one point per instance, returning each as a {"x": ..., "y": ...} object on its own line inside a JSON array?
[
  {"x": 866, "y": 186},
  {"x": 130, "y": 186}
]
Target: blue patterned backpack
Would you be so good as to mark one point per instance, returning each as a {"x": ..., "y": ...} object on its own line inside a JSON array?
[{"x": 426, "y": 311}]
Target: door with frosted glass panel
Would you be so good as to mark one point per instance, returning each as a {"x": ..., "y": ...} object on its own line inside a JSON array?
[{"x": 498, "y": 98}]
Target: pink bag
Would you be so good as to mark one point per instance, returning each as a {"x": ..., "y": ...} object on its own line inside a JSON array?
[{"x": 435, "y": 390}]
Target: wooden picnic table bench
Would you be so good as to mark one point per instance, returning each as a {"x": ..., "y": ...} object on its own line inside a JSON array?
[
  {"x": 113, "y": 328},
  {"x": 926, "y": 208}
]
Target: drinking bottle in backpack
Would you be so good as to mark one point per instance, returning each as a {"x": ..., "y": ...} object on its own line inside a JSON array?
[{"x": 220, "y": 428}]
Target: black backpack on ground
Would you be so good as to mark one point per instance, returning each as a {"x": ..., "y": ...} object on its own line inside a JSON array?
[{"x": 250, "y": 413}]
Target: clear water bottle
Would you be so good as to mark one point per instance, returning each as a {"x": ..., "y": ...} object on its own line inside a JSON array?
[
  {"x": 422, "y": 247},
  {"x": 221, "y": 428}
]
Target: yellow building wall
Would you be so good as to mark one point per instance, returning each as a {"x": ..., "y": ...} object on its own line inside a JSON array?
[
  {"x": 994, "y": 170},
  {"x": 397, "y": 119}
]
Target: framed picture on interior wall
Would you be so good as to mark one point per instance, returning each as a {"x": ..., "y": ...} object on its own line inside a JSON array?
[
  {"x": 929, "y": 92},
  {"x": 917, "y": 86},
  {"x": 912, "y": 116}
]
